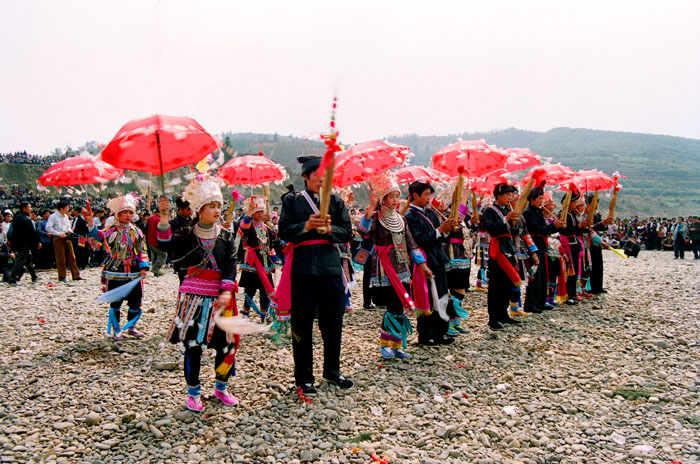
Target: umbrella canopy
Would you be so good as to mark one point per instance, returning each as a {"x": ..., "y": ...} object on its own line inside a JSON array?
[
  {"x": 590, "y": 181},
  {"x": 365, "y": 160},
  {"x": 251, "y": 170},
  {"x": 520, "y": 158},
  {"x": 484, "y": 185},
  {"x": 79, "y": 170},
  {"x": 474, "y": 158},
  {"x": 409, "y": 174},
  {"x": 549, "y": 173},
  {"x": 159, "y": 144}
]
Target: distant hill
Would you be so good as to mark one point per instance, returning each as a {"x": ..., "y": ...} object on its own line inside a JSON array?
[{"x": 663, "y": 171}]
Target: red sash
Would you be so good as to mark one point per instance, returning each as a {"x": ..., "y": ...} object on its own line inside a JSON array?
[
  {"x": 383, "y": 255},
  {"x": 251, "y": 259},
  {"x": 283, "y": 294},
  {"x": 502, "y": 260}
]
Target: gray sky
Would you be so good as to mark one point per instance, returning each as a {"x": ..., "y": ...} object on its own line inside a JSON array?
[{"x": 74, "y": 71}]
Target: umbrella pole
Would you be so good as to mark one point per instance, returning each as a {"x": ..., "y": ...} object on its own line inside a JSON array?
[
  {"x": 148, "y": 193},
  {"x": 160, "y": 161}
]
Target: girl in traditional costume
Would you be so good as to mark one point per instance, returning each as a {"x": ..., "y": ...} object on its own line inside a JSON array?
[
  {"x": 389, "y": 264},
  {"x": 259, "y": 258},
  {"x": 126, "y": 260},
  {"x": 207, "y": 252}
]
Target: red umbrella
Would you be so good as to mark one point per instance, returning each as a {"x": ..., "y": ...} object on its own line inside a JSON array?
[
  {"x": 409, "y": 174},
  {"x": 591, "y": 180},
  {"x": 473, "y": 158},
  {"x": 79, "y": 170},
  {"x": 251, "y": 170},
  {"x": 521, "y": 158},
  {"x": 551, "y": 173},
  {"x": 365, "y": 160},
  {"x": 484, "y": 185},
  {"x": 159, "y": 144}
]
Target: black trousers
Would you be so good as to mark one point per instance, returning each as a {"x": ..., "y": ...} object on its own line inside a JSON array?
[
  {"x": 133, "y": 299},
  {"x": 323, "y": 297},
  {"x": 597, "y": 269},
  {"x": 679, "y": 248},
  {"x": 366, "y": 276},
  {"x": 571, "y": 281},
  {"x": 193, "y": 365},
  {"x": 499, "y": 293},
  {"x": 696, "y": 248},
  {"x": 23, "y": 259},
  {"x": 536, "y": 293}
]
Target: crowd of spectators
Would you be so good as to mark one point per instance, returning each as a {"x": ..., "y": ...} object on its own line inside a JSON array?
[
  {"x": 22, "y": 157},
  {"x": 677, "y": 234}
]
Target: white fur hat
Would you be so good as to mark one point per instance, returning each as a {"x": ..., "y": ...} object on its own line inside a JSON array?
[
  {"x": 201, "y": 192},
  {"x": 258, "y": 203}
]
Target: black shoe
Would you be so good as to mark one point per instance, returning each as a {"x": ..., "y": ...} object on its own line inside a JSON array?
[
  {"x": 510, "y": 320},
  {"x": 495, "y": 326},
  {"x": 368, "y": 306},
  {"x": 547, "y": 307},
  {"x": 427, "y": 342},
  {"x": 341, "y": 382},
  {"x": 445, "y": 341},
  {"x": 79, "y": 278},
  {"x": 62, "y": 280},
  {"x": 534, "y": 311},
  {"x": 307, "y": 388}
]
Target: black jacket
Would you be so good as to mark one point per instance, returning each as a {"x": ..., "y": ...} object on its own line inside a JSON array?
[
  {"x": 537, "y": 226},
  {"x": 185, "y": 242},
  {"x": 314, "y": 259},
  {"x": 24, "y": 236},
  {"x": 496, "y": 227},
  {"x": 423, "y": 232},
  {"x": 176, "y": 224}
]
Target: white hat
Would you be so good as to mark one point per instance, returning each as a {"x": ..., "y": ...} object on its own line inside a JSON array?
[
  {"x": 6, "y": 212},
  {"x": 125, "y": 202},
  {"x": 202, "y": 192},
  {"x": 258, "y": 203}
]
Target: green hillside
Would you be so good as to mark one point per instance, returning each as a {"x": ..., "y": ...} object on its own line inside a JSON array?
[{"x": 663, "y": 171}]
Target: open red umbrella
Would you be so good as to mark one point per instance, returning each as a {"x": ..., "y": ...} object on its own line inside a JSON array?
[
  {"x": 158, "y": 144},
  {"x": 365, "y": 160},
  {"x": 409, "y": 174},
  {"x": 549, "y": 173},
  {"x": 474, "y": 158},
  {"x": 590, "y": 181},
  {"x": 251, "y": 170},
  {"x": 521, "y": 158},
  {"x": 484, "y": 185},
  {"x": 79, "y": 170}
]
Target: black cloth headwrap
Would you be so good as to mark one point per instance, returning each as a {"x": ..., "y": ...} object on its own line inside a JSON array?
[
  {"x": 309, "y": 163},
  {"x": 503, "y": 188}
]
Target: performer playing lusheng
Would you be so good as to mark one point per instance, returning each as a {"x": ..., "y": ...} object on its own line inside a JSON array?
[
  {"x": 389, "y": 264},
  {"x": 126, "y": 261},
  {"x": 504, "y": 279},
  {"x": 208, "y": 255},
  {"x": 429, "y": 234},
  {"x": 312, "y": 279}
]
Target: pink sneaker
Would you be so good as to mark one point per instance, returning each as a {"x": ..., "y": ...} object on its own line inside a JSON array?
[
  {"x": 134, "y": 333},
  {"x": 118, "y": 337},
  {"x": 226, "y": 398},
  {"x": 194, "y": 404}
]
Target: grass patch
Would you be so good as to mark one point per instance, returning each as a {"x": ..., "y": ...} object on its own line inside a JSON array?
[{"x": 360, "y": 437}]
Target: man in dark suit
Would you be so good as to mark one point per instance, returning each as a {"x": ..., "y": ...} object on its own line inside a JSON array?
[{"x": 23, "y": 239}]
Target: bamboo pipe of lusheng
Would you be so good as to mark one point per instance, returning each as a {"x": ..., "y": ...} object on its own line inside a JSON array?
[
  {"x": 326, "y": 187},
  {"x": 457, "y": 199},
  {"x": 565, "y": 205},
  {"x": 522, "y": 199},
  {"x": 475, "y": 212},
  {"x": 266, "y": 194},
  {"x": 613, "y": 202}
]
